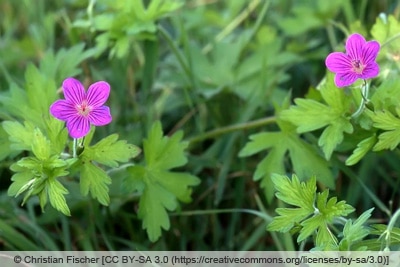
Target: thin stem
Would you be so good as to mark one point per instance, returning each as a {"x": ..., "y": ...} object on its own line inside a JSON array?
[
  {"x": 264, "y": 216},
  {"x": 331, "y": 36},
  {"x": 390, "y": 226},
  {"x": 74, "y": 145},
  {"x": 233, "y": 128},
  {"x": 234, "y": 23},
  {"x": 364, "y": 99},
  {"x": 349, "y": 172},
  {"x": 391, "y": 39}
]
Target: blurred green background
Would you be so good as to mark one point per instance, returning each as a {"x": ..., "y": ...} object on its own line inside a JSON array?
[{"x": 201, "y": 66}]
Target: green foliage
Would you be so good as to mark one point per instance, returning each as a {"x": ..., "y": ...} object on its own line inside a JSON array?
[
  {"x": 120, "y": 20},
  {"x": 36, "y": 175},
  {"x": 305, "y": 160},
  {"x": 314, "y": 215},
  {"x": 390, "y": 123},
  {"x": 354, "y": 232},
  {"x": 309, "y": 115},
  {"x": 216, "y": 71},
  {"x": 306, "y": 16},
  {"x": 362, "y": 148},
  {"x": 20, "y": 136},
  {"x": 160, "y": 188},
  {"x": 108, "y": 151}
]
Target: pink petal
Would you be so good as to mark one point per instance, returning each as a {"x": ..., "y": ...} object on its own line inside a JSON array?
[
  {"x": 345, "y": 79},
  {"x": 98, "y": 94},
  {"x": 73, "y": 91},
  {"x": 100, "y": 116},
  {"x": 78, "y": 126},
  {"x": 354, "y": 45},
  {"x": 338, "y": 62},
  {"x": 62, "y": 110},
  {"x": 370, "y": 51},
  {"x": 370, "y": 71}
]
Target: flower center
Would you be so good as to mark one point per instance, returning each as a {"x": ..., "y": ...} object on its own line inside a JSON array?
[
  {"x": 358, "y": 66},
  {"x": 84, "y": 109}
]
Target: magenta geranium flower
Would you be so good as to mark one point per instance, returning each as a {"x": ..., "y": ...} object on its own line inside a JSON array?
[
  {"x": 357, "y": 63},
  {"x": 81, "y": 109}
]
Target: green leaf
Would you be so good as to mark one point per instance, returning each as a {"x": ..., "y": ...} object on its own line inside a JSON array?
[
  {"x": 56, "y": 192},
  {"x": 5, "y": 150},
  {"x": 386, "y": 121},
  {"x": 20, "y": 136},
  {"x": 164, "y": 152},
  {"x": 41, "y": 92},
  {"x": 154, "y": 202},
  {"x": 311, "y": 226},
  {"x": 95, "y": 181},
  {"x": 272, "y": 163},
  {"x": 57, "y": 134},
  {"x": 40, "y": 145},
  {"x": 16, "y": 103},
  {"x": 279, "y": 144},
  {"x": 21, "y": 182},
  {"x": 326, "y": 211},
  {"x": 354, "y": 232},
  {"x": 295, "y": 193},
  {"x": 314, "y": 213},
  {"x": 309, "y": 115},
  {"x": 37, "y": 176},
  {"x": 109, "y": 151},
  {"x": 306, "y": 162},
  {"x": 331, "y": 209},
  {"x": 385, "y": 31},
  {"x": 64, "y": 63},
  {"x": 362, "y": 149},
  {"x": 161, "y": 189},
  {"x": 333, "y": 135},
  {"x": 259, "y": 142}
]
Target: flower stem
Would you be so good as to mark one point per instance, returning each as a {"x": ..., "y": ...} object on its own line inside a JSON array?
[
  {"x": 74, "y": 144},
  {"x": 364, "y": 99}
]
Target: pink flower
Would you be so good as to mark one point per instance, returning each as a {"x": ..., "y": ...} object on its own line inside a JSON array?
[
  {"x": 357, "y": 63},
  {"x": 80, "y": 109}
]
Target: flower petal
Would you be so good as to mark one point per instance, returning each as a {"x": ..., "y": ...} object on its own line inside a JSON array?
[
  {"x": 370, "y": 51},
  {"x": 100, "y": 116},
  {"x": 338, "y": 62},
  {"x": 345, "y": 79},
  {"x": 98, "y": 93},
  {"x": 73, "y": 91},
  {"x": 370, "y": 71},
  {"x": 78, "y": 126},
  {"x": 354, "y": 46},
  {"x": 62, "y": 110}
]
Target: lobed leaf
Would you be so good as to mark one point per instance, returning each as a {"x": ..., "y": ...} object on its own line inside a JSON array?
[
  {"x": 161, "y": 189},
  {"x": 354, "y": 232},
  {"x": 56, "y": 192},
  {"x": 109, "y": 151},
  {"x": 95, "y": 181},
  {"x": 20, "y": 136},
  {"x": 40, "y": 145},
  {"x": 362, "y": 149},
  {"x": 386, "y": 121}
]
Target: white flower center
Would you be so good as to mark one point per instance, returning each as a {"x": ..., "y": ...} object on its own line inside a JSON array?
[
  {"x": 358, "y": 66},
  {"x": 84, "y": 109}
]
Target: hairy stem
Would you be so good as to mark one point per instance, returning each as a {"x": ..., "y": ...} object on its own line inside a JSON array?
[{"x": 233, "y": 128}]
